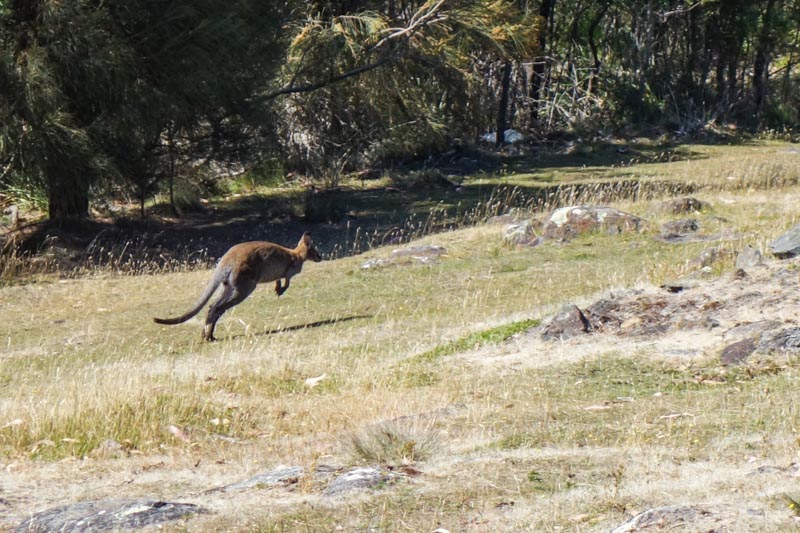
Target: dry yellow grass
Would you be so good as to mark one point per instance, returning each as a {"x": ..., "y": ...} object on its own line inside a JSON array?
[{"x": 500, "y": 446}]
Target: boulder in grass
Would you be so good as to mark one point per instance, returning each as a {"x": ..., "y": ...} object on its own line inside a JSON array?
[
  {"x": 107, "y": 515},
  {"x": 358, "y": 479},
  {"x": 522, "y": 233},
  {"x": 572, "y": 221},
  {"x": 686, "y": 204},
  {"x": 787, "y": 245}
]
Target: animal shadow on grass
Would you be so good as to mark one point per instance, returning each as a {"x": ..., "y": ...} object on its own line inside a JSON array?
[{"x": 317, "y": 324}]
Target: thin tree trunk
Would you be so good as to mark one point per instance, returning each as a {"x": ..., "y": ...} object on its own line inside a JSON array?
[
  {"x": 540, "y": 63},
  {"x": 761, "y": 62},
  {"x": 595, "y": 70},
  {"x": 502, "y": 107}
]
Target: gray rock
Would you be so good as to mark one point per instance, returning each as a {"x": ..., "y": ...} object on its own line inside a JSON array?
[
  {"x": 359, "y": 478},
  {"x": 680, "y": 285},
  {"x": 107, "y": 515},
  {"x": 685, "y": 205},
  {"x": 659, "y": 519},
  {"x": 679, "y": 227},
  {"x": 521, "y": 234},
  {"x": 277, "y": 477},
  {"x": 786, "y": 340},
  {"x": 749, "y": 257},
  {"x": 753, "y": 329},
  {"x": 735, "y": 353},
  {"x": 569, "y": 322},
  {"x": 740, "y": 274},
  {"x": 788, "y": 244},
  {"x": 685, "y": 238},
  {"x": 568, "y": 222}
]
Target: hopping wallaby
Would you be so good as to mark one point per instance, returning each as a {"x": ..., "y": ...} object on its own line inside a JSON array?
[{"x": 243, "y": 267}]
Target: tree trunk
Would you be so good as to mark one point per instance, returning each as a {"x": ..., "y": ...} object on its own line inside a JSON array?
[
  {"x": 595, "y": 70},
  {"x": 502, "y": 107},
  {"x": 68, "y": 197},
  {"x": 761, "y": 62},
  {"x": 540, "y": 62}
]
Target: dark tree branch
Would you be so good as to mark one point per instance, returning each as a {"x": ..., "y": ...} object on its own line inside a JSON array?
[{"x": 309, "y": 87}]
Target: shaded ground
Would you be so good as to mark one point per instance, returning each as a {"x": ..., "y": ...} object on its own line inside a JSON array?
[{"x": 439, "y": 195}]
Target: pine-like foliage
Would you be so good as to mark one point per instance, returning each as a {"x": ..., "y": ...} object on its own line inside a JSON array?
[
  {"x": 375, "y": 86},
  {"x": 101, "y": 92}
]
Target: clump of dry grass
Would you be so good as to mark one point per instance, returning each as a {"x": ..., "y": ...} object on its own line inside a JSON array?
[{"x": 393, "y": 443}]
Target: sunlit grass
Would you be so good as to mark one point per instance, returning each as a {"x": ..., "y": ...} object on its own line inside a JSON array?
[{"x": 361, "y": 365}]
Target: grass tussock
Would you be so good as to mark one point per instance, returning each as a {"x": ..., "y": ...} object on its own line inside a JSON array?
[{"x": 393, "y": 443}]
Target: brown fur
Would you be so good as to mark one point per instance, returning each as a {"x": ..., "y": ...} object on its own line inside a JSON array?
[{"x": 243, "y": 267}]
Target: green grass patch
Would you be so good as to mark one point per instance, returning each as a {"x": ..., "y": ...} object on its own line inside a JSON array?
[{"x": 476, "y": 340}]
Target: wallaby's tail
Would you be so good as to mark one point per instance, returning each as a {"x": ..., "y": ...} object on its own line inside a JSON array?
[{"x": 219, "y": 275}]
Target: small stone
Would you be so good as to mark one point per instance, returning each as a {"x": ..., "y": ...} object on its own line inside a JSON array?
[
  {"x": 570, "y": 322},
  {"x": 679, "y": 286},
  {"x": 749, "y": 257},
  {"x": 685, "y": 205},
  {"x": 735, "y": 353},
  {"x": 679, "y": 227},
  {"x": 658, "y": 519},
  {"x": 358, "y": 478},
  {"x": 521, "y": 234}
]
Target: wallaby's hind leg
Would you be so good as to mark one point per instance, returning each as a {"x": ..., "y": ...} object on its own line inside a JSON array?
[
  {"x": 231, "y": 295},
  {"x": 280, "y": 289}
]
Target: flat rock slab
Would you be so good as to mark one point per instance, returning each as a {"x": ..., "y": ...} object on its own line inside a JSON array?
[
  {"x": 735, "y": 353},
  {"x": 358, "y": 479},
  {"x": 278, "y": 477},
  {"x": 668, "y": 518},
  {"x": 107, "y": 515},
  {"x": 788, "y": 244}
]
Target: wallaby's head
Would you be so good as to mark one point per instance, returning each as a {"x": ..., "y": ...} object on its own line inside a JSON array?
[{"x": 308, "y": 244}]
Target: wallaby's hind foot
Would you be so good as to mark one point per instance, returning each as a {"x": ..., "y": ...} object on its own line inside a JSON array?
[{"x": 280, "y": 289}]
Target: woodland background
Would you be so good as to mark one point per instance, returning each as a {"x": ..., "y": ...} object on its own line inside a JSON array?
[{"x": 125, "y": 99}]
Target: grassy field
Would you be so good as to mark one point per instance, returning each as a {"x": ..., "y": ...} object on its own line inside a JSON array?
[{"x": 380, "y": 366}]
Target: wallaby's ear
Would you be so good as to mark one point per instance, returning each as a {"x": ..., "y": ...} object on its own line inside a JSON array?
[{"x": 306, "y": 238}]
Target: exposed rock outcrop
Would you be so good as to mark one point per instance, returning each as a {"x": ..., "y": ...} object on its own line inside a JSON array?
[
  {"x": 568, "y": 222},
  {"x": 788, "y": 244},
  {"x": 107, "y": 515}
]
